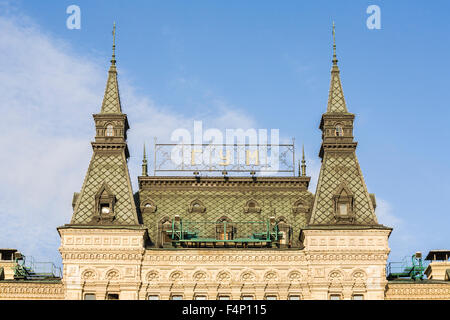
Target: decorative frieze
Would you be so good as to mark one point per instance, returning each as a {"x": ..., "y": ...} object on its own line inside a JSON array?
[
  {"x": 418, "y": 291},
  {"x": 13, "y": 290}
]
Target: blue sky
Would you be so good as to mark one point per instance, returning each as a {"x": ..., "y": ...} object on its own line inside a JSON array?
[{"x": 261, "y": 64}]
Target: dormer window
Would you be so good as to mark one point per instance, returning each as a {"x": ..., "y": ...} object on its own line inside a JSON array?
[
  {"x": 252, "y": 206},
  {"x": 148, "y": 206},
  {"x": 338, "y": 131},
  {"x": 300, "y": 206},
  {"x": 104, "y": 202},
  {"x": 196, "y": 206},
  {"x": 109, "y": 130},
  {"x": 343, "y": 204}
]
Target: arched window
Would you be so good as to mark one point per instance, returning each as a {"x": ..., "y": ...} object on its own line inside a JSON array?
[
  {"x": 197, "y": 206},
  {"x": 109, "y": 130},
  {"x": 148, "y": 206},
  {"x": 252, "y": 206},
  {"x": 338, "y": 132},
  {"x": 300, "y": 206}
]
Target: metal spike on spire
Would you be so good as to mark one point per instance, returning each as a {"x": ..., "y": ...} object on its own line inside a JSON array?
[
  {"x": 334, "y": 46},
  {"x": 144, "y": 164},
  {"x": 113, "y": 61},
  {"x": 303, "y": 162}
]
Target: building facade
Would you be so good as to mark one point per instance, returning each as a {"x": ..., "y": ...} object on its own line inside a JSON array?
[
  {"x": 225, "y": 237},
  {"x": 327, "y": 245}
]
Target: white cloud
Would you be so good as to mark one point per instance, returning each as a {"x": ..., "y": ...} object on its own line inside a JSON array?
[
  {"x": 385, "y": 215},
  {"x": 47, "y": 97}
]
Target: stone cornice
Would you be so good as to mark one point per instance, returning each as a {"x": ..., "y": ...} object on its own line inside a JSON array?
[{"x": 221, "y": 182}]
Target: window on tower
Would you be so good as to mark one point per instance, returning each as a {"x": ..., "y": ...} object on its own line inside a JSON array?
[
  {"x": 343, "y": 203},
  {"x": 109, "y": 130},
  {"x": 343, "y": 209},
  {"x": 105, "y": 208},
  {"x": 338, "y": 132}
]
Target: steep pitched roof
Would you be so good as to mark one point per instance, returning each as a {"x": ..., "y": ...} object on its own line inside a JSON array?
[
  {"x": 337, "y": 169},
  {"x": 110, "y": 169},
  {"x": 336, "y": 100},
  {"x": 111, "y": 98}
]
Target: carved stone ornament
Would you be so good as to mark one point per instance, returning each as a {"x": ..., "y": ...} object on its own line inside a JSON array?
[
  {"x": 176, "y": 276},
  {"x": 200, "y": 276},
  {"x": 224, "y": 276},
  {"x": 152, "y": 276},
  {"x": 271, "y": 276},
  {"x": 88, "y": 275},
  {"x": 335, "y": 276},
  {"x": 294, "y": 276},
  {"x": 112, "y": 275},
  {"x": 248, "y": 276}
]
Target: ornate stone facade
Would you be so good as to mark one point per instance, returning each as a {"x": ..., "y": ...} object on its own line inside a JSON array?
[
  {"x": 106, "y": 261},
  {"x": 327, "y": 245}
]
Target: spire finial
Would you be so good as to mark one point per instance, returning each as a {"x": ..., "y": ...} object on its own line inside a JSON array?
[
  {"x": 113, "y": 61},
  {"x": 334, "y": 45},
  {"x": 144, "y": 164},
  {"x": 303, "y": 161}
]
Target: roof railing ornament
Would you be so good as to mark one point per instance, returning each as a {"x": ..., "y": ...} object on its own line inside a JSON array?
[{"x": 303, "y": 162}]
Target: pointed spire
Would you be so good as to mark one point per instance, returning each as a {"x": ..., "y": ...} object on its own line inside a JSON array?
[
  {"x": 144, "y": 164},
  {"x": 336, "y": 100},
  {"x": 111, "y": 99},
  {"x": 303, "y": 162}
]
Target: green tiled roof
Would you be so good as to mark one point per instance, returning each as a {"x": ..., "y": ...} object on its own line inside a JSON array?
[
  {"x": 111, "y": 99},
  {"x": 226, "y": 200},
  {"x": 112, "y": 170},
  {"x": 336, "y": 169},
  {"x": 336, "y": 100}
]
